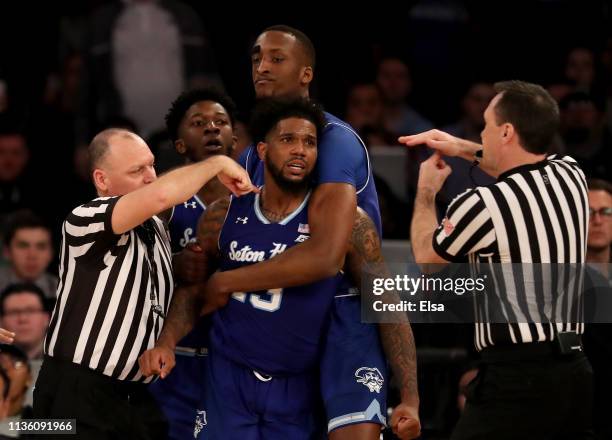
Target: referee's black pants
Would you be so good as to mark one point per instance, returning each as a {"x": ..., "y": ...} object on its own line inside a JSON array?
[
  {"x": 104, "y": 408},
  {"x": 528, "y": 391}
]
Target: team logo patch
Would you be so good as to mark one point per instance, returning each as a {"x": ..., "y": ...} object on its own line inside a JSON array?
[
  {"x": 200, "y": 422},
  {"x": 370, "y": 377},
  {"x": 447, "y": 226},
  {"x": 303, "y": 228}
]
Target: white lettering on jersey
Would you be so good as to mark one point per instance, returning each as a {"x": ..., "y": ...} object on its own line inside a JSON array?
[
  {"x": 279, "y": 248},
  {"x": 245, "y": 254},
  {"x": 187, "y": 237}
]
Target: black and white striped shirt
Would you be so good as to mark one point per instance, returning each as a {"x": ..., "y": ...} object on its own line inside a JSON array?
[
  {"x": 535, "y": 213},
  {"x": 103, "y": 317}
]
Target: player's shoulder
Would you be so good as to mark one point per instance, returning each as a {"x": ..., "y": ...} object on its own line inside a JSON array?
[
  {"x": 337, "y": 128},
  {"x": 340, "y": 138}
]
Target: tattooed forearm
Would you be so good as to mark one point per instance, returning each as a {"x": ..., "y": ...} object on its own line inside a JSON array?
[
  {"x": 182, "y": 316},
  {"x": 397, "y": 338}
]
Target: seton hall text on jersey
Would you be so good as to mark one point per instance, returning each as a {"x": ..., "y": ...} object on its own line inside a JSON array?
[{"x": 246, "y": 254}]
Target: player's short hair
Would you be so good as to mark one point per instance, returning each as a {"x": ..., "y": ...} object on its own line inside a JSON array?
[
  {"x": 301, "y": 37},
  {"x": 100, "y": 144},
  {"x": 271, "y": 111},
  {"x": 186, "y": 99},
  {"x": 599, "y": 185},
  {"x": 531, "y": 110}
]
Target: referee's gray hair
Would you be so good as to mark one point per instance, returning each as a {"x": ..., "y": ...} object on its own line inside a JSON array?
[{"x": 101, "y": 142}]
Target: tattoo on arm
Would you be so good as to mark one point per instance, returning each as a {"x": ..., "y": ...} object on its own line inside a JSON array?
[
  {"x": 397, "y": 339},
  {"x": 186, "y": 301}
]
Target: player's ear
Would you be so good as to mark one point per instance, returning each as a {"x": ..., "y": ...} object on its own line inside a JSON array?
[
  {"x": 180, "y": 147},
  {"x": 307, "y": 75},
  {"x": 262, "y": 149},
  {"x": 234, "y": 145}
]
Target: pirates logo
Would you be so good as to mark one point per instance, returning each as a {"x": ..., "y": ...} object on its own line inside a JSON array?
[
  {"x": 200, "y": 422},
  {"x": 370, "y": 377}
]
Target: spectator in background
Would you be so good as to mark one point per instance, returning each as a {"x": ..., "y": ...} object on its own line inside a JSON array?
[
  {"x": 606, "y": 65},
  {"x": 142, "y": 54},
  {"x": 364, "y": 112},
  {"x": 29, "y": 250},
  {"x": 584, "y": 134},
  {"x": 598, "y": 293},
  {"x": 395, "y": 83},
  {"x": 15, "y": 363},
  {"x": 469, "y": 127},
  {"x": 15, "y": 193},
  {"x": 24, "y": 310},
  {"x": 580, "y": 68}
]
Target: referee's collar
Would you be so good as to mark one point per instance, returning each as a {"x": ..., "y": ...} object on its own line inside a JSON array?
[{"x": 521, "y": 168}]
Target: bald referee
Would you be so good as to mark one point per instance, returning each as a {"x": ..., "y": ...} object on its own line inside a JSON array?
[
  {"x": 115, "y": 288},
  {"x": 534, "y": 382}
]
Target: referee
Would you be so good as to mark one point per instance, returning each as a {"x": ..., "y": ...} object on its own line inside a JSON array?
[
  {"x": 115, "y": 288},
  {"x": 534, "y": 382}
]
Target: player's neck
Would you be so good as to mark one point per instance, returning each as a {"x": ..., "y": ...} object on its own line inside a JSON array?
[
  {"x": 276, "y": 204},
  {"x": 212, "y": 191}
]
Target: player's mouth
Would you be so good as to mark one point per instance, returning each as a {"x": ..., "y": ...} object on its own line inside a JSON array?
[
  {"x": 296, "y": 166},
  {"x": 263, "y": 81},
  {"x": 213, "y": 145}
]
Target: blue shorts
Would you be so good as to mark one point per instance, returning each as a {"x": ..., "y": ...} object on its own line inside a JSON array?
[
  {"x": 353, "y": 368},
  {"x": 179, "y": 395},
  {"x": 243, "y": 404}
]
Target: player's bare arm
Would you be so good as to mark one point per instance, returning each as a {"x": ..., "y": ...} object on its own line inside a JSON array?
[
  {"x": 187, "y": 301},
  {"x": 397, "y": 339}
]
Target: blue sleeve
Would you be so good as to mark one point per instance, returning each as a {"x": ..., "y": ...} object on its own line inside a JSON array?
[
  {"x": 243, "y": 156},
  {"x": 342, "y": 157}
]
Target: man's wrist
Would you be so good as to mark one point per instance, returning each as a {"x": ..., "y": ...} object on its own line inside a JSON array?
[
  {"x": 410, "y": 398},
  {"x": 165, "y": 341},
  {"x": 426, "y": 194},
  {"x": 469, "y": 150}
]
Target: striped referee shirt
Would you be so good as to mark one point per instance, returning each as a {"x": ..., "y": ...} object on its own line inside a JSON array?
[
  {"x": 103, "y": 318},
  {"x": 536, "y": 213}
]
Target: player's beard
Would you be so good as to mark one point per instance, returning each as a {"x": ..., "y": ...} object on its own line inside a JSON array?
[{"x": 289, "y": 186}]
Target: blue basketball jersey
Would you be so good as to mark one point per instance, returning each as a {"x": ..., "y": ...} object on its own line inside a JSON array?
[
  {"x": 280, "y": 332},
  {"x": 342, "y": 158},
  {"x": 183, "y": 223}
]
